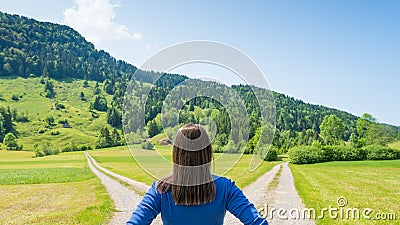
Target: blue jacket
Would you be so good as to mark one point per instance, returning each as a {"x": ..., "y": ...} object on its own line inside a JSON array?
[{"x": 228, "y": 197}]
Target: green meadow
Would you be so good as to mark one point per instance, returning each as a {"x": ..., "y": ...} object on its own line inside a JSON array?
[
  {"x": 57, "y": 189},
  {"x": 365, "y": 184},
  {"x": 32, "y": 101}
]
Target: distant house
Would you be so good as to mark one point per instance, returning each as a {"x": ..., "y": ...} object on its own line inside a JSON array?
[{"x": 66, "y": 125}]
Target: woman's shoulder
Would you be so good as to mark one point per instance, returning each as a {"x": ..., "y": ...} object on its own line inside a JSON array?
[{"x": 223, "y": 181}]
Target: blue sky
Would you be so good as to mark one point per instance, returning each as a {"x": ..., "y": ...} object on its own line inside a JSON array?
[{"x": 341, "y": 54}]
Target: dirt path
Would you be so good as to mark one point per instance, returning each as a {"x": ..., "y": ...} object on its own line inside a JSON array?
[
  {"x": 256, "y": 193},
  {"x": 125, "y": 200},
  {"x": 285, "y": 196}
]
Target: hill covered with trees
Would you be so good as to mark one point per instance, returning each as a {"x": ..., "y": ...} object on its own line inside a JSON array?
[{"x": 52, "y": 56}]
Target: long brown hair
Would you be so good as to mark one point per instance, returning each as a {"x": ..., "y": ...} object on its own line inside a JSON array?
[{"x": 191, "y": 181}]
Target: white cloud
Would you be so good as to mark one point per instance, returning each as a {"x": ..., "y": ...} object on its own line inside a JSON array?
[
  {"x": 137, "y": 36},
  {"x": 94, "y": 19}
]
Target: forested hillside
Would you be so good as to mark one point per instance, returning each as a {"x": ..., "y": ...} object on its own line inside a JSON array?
[{"x": 53, "y": 54}]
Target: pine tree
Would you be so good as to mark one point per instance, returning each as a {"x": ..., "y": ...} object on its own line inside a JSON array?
[
  {"x": 82, "y": 96},
  {"x": 100, "y": 103},
  {"x": 48, "y": 89},
  {"x": 116, "y": 138},
  {"x": 104, "y": 139},
  {"x": 113, "y": 117}
]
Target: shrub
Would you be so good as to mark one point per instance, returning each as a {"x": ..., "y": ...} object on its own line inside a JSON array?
[
  {"x": 41, "y": 131},
  {"x": 39, "y": 153},
  {"x": 69, "y": 148},
  {"x": 134, "y": 138},
  {"x": 313, "y": 154},
  {"x": 72, "y": 147},
  {"x": 10, "y": 140},
  {"x": 343, "y": 153},
  {"x": 63, "y": 121},
  {"x": 54, "y": 133},
  {"x": 217, "y": 148},
  {"x": 271, "y": 153},
  {"x": 46, "y": 149},
  {"x": 95, "y": 115},
  {"x": 23, "y": 118},
  {"x": 59, "y": 106},
  {"x": 349, "y": 153},
  {"x": 306, "y": 155},
  {"x": 15, "y": 97},
  {"x": 49, "y": 120},
  {"x": 147, "y": 145},
  {"x": 231, "y": 147},
  {"x": 378, "y": 152}
]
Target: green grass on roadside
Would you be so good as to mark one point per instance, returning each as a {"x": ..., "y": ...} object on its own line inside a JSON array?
[
  {"x": 365, "y": 184},
  {"x": 44, "y": 175},
  {"x": 242, "y": 176},
  {"x": 24, "y": 159},
  {"x": 57, "y": 189},
  {"x": 84, "y": 202},
  {"x": 119, "y": 160}
]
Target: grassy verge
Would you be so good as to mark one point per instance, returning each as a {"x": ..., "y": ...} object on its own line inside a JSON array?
[
  {"x": 242, "y": 176},
  {"x": 58, "y": 189},
  {"x": 119, "y": 160},
  {"x": 365, "y": 184},
  {"x": 83, "y": 202},
  {"x": 44, "y": 175}
]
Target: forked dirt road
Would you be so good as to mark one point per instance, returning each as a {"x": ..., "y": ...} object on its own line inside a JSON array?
[{"x": 284, "y": 196}]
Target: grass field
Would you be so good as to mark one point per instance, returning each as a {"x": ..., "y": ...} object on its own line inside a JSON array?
[
  {"x": 57, "y": 189},
  {"x": 120, "y": 160},
  {"x": 32, "y": 101},
  {"x": 365, "y": 184}
]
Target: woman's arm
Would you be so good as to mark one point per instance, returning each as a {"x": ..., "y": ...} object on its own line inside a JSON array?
[
  {"x": 240, "y": 207},
  {"x": 148, "y": 208}
]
